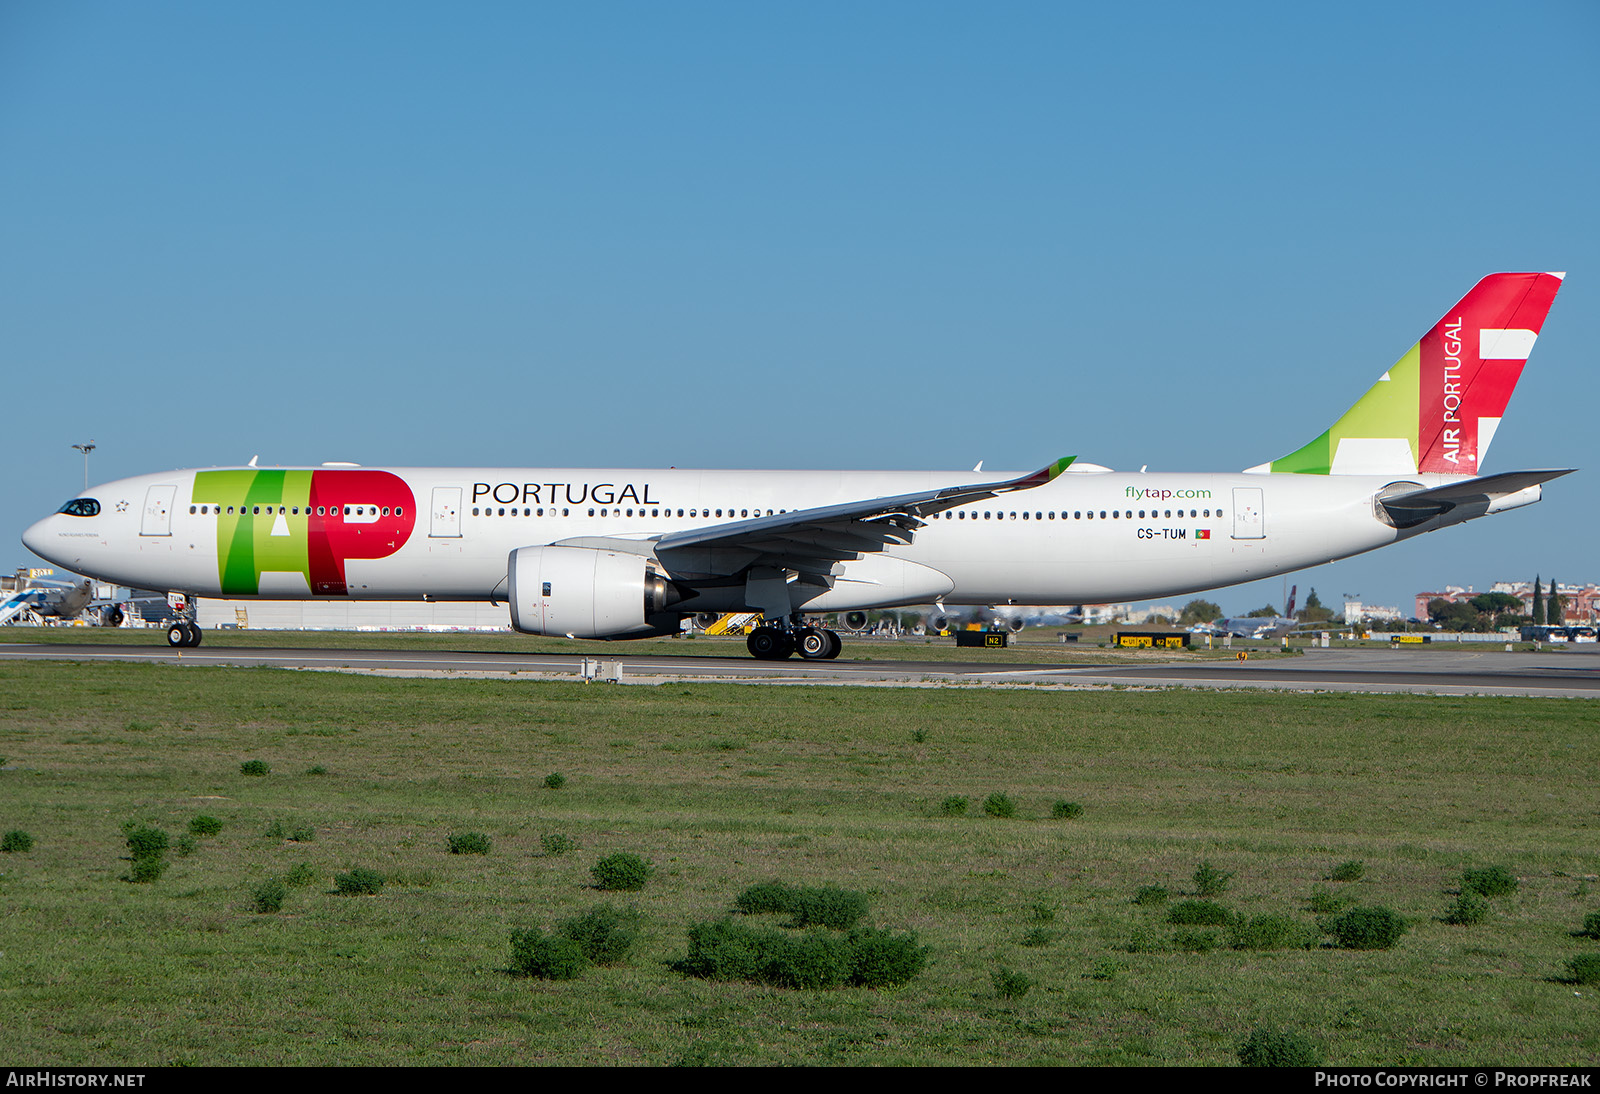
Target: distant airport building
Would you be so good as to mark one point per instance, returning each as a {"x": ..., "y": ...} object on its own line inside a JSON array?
[
  {"x": 1580, "y": 603},
  {"x": 1356, "y": 612}
]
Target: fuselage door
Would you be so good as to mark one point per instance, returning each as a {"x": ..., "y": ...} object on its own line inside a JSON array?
[
  {"x": 1248, "y": 521},
  {"x": 157, "y": 520},
  {"x": 446, "y": 513}
]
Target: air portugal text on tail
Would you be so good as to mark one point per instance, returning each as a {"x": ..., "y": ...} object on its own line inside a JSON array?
[
  {"x": 1436, "y": 410},
  {"x": 595, "y": 561}
]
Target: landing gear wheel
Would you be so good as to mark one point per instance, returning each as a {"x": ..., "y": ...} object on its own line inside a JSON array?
[
  {"x": 178, "y": 634},
  {"x": 814, "y": 644},
  {"x": 769, "y": 644},
  {"x": 194, "y": 635},
  {"x": 835, "y": 644}
]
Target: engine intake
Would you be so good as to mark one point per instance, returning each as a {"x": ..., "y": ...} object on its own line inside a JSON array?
[{"x": 589, "y": 593}]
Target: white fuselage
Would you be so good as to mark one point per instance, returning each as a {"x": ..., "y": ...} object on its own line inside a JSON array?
[{"x": 446, "y": 533}]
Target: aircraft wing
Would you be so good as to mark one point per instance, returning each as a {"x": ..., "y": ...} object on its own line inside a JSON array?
[
  {"x": 813, "y": 540},
  {"x": 1487, "y": 492}
]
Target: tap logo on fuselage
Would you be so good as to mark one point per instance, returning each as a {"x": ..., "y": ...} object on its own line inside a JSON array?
[{"x": 305, "y": 522}]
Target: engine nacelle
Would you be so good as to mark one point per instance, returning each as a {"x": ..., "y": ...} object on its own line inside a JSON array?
[
  {"x": 589, "y": 593},
  {"x": 855, "y": 621}
]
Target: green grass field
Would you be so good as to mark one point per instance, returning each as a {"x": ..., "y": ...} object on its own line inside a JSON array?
[{"x": 723, "y": 786}]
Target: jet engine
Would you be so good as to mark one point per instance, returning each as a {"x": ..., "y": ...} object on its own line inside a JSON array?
[
  {"x": 589, "y": 593},
  {"x": 855, "y": 621}
]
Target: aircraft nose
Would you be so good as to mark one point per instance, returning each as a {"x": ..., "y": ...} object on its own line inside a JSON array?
[{"x": 37, "y": 538}]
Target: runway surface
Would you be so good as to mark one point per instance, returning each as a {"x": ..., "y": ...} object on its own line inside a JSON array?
[{"x": 1571, "y": 673}]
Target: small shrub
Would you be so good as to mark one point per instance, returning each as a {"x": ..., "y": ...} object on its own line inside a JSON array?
[
  {"x": 145, "y": 842},
  {"x": 604, "y": 934},
  {"x": 807, "y": 906},
  {"x": 555, "y": 780},
  {"x": 254, "y": 767},
  {"x": 1591, "y": 923},
  {"x": 316, "y": 769},
  {"x": 1106, "y": 969},
  {"x": 920, "y": 736},
  {"x": 557, "y": 843},
  {"x": 203, "y": 825},
  {"x": 186, "y": 845},
  {"x": 814, "y": 959},
  {"x": 733, "y": 949},
  {"x": 301, "y": 874},
  {"x": 1469, "y": 908},
  {"x": 1353, "y": 870},
  {"x": 1200, "y": 913},
  {"x": 16, "y": 841},
  {"x": 999, "y": 805},
  {"x": 360, "y": 881},
  {"x": 1009, "y": 984},
  {"x": 1489, "y": 881},
  {"x": 764, "y": 898},
  {"x": 1267, "y": 1047},
  {"x": 621, "y": 872},
  {"x": 953, "y": 806},
  {"x": 1145, "y": 940},
  {"x": 146, "y": 870},
  {"x": 275, "y": 830},
  {"x": 302, "y": 833},
  {"x": 469, "y": 843},
  {"x": 533, "y": 953},
  {"x": 1584, "y": 969},
  {"x": 1151, "y": 894},
  {"x": 722, "y": 949},
  {"x": 1323, "y": 902},
  {"x": 883, "y": 959},
  {"x": 1196, "y": 941},
  {"x": 1043, "y": 911},
  {"x": 1038, "y": 937},
  {"x": 1066, "y": 810},
  {"x": 1271, "y": 932},
  {"x": 827, "y": 906},
  {"x": 269, "y": 896},
  {"x": 1210, "y": 880},
  {"x": 1367, "y": 928}
]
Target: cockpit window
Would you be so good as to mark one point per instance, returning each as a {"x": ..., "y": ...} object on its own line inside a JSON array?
[{"x": 81, "y": 507}]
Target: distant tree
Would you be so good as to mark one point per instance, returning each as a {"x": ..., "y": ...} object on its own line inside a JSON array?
[
  {"x": 1538, "y": 601},
  {"x": 1455, "y": 615},
  {"x": 1314, "y": 612},
  {"x": 1200, "y": 611},
  {"x": 1265, "y": 612},
  {"x": 1495, "y": 603},
  {"x": 1555, "y": 605}
]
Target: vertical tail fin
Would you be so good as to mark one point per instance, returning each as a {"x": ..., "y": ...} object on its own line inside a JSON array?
[{"x": 1437, "y": 409}]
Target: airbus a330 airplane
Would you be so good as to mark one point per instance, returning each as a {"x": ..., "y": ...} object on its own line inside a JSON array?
[{"x": 630, "y": 553}]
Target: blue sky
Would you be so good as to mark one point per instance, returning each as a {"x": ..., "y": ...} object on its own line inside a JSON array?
[{"x": 829, "y": 235}]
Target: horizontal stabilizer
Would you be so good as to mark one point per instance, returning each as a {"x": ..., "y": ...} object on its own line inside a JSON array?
[{"x": 1410, "y": 509}]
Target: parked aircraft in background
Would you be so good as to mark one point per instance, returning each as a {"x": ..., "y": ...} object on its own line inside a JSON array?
[
  {"x": 1259, "y": 626},
  {"x": 628, "y": 553},
  {"x": 43, "y": 597}
]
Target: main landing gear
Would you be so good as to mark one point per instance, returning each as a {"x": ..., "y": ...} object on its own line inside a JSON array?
[
  {"x": 183, "y": 633},
  {"x": 775, "y": 642}
]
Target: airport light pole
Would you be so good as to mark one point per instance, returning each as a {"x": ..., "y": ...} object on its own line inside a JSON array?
[{"x": 85, "y": 449}]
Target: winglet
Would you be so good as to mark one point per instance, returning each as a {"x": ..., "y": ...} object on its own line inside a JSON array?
[{"x": 1045, "y": 474}]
